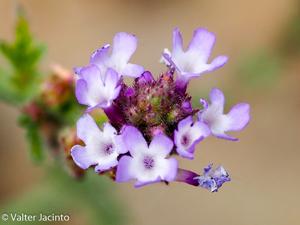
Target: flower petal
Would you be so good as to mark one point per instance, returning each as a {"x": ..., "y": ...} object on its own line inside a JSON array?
[
  {"x": 220, "y": 123},
  {"x": 124, "y": 172},
  {"x": 81, "y": 91},
  {"x": 111, "y": 79},
  {"x": 185, "y": 123},
  {"x": 132, "y": 70},
  {"x": 161, "y": 145},
  {"x": 89, "y": 87},
  {"x": 91, "y": 74},
  {"x": 169, "y": 174},
  {"x": 108, "y": 130},
  {"x": 194, "y": 61},
  {"x": 95, "y": 90},
  {"x": 100, "y": 149},
  {"x": 87, "y": 129},
  {"x": 183, "y": 152},
  {"x": 225, "y": 136},
  {"x": 124, "y": 45},
  {"x": 239, "y": 116},
  {"x": 177, "y": 42},
  {"x": 139, "y": 184},
  {"x": 217, "y": 63},
  {"x": 82, "y": 157},
  {"x": 188, "y": 135},
  {"x": 100, "y": 56},
  {"x": 120, "y": 145},
  {"x": 134, "y": 140},
  {"x": 106, "y": 165},
  {"x": 202, "y": 44},
  {"x": 199, "y": 129},
  {"x": 217, "y": 97}
]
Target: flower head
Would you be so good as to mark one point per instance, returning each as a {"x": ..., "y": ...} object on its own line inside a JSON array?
[
  {"x": 154, "y": 104},
  {"x": 101, "y": 148},
  {"x": 194, "y": 61},
  {"x": 218, "y": 122},
  {"x": 147, "y": 163},
  {"x": 213, "y": 179},
  {"x": 187, "y": 135},
  {"x": 151, "y": 120},
  {"x": 124, "y": 45},
  {"x": 96, "y": 89}
]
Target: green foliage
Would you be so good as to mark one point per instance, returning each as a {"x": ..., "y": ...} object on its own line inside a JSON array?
[
  {"x": 289, "y": 44},
  {"x": 91, "y": 200},
  {"x": 94, "y": 195},
  {"x": 90, "y": 197},
  {"x": 66, "y": 113},
  {"x": 291, "y": 40},
  {"x": 18, "y": 82},
  {"x": 33, "y": 138}
]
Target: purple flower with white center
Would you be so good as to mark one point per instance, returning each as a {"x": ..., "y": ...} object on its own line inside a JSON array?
[
  {"x": 213, "y": 179},
  {"x": 187, "y": 135},
  {"x": 95, "y": 89},
  {"x": 101, "y": 148},
  {"x": 151, "y": 120},
  {"x": 147, "y": 163},
  {"x": 194, "y": 61},
  {"x": 124, "y": 45},
  {"x": 218, "y": 122}
]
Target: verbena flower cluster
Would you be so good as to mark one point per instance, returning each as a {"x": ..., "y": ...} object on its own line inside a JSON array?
[{"x": 152, "y": 120}]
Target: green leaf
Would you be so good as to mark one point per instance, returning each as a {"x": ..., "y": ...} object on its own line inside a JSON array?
[
  {"x": 23, "y": 55},
  {"x": 7, "y": 93},
  {"x": 33, "y": 137}
]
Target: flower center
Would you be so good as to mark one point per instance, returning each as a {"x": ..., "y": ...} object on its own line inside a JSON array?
[
  {"x": 108, "y": 149},
  {"x": 154, "y": 103},
  {"x": 185, "y": 140},
  {"x": 148, "y": 162}
]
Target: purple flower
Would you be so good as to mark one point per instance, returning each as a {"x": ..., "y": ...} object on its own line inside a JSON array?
[
  {"x": 96, "y": 89},
  {"x": 187, "y": 135},
  {"x": 147, "y": 164},
  {"x": 152, "y": 119},
  {"x": 213, "y": 179},
  {"x": 101, "y": 147},
  {"x": 193, "y": 61},
  {"x": 124, "y": 45},
  {"x": 218, "y": 122}
]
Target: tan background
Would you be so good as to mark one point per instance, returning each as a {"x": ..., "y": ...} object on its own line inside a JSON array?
[{"x": 264, "y": 165}]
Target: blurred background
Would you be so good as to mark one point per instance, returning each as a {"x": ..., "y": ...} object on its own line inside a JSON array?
[{"x": 262, "y": 40}]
